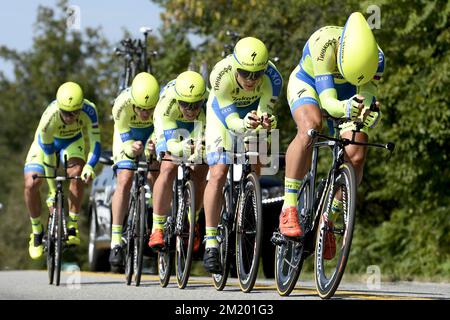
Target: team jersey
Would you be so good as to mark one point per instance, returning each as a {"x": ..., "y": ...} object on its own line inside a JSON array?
[
  {"x": 128, "y": 126},
  {"x": 53, "y": 134},
  {"x": 230, "y": 102},
  {"x": 168, "y": 120},
  {"x": 318, "y": 67}
]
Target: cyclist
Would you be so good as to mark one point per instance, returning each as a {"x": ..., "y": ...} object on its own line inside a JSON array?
[
  {"x": 60, "y": 132},
  {"x": 245, "y": 86},
  {"x": 180, "y": 113},
  {"x": 337, "y": 76},
  {"x": 133, "y": 127}
]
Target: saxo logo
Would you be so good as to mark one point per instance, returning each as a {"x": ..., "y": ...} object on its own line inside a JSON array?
[
  {"x": 73, "y": 21},
  {"x": 374, "y": 20}
]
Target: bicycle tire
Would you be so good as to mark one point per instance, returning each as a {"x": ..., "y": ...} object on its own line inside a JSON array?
[
  {"x": 246, "y": 243},
  {"x": 326, "y": 287},
  {"x": 165, "y": 256},
  {"x": 59, "y": 235},
  {"x": 130, "y": 227},
  {"x": 50, "y": 244},
  {"x": 287, "y": 270},
  {"x": 165, "y": 263},
  {"x": 224, "y": 230},
  {"x": 141, "y": 236},
  {"x": 183, "y": 252}
]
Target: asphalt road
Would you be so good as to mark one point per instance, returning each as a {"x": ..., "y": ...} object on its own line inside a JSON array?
[{"x": 85, "y": 285}]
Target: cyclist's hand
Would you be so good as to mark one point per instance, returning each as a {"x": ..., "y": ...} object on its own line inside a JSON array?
[
  {"x": 353, "y": 107},
  {"x": 269, "y": 121},
  {"x": 251, "y": 120},
  {"x": 88, "y": 173},
  {"x": 137, "y": 147},
  {"x": 151, "y": 149},
  {"x": 372, "y": 117},
  {"x": 188, "y": 148}
]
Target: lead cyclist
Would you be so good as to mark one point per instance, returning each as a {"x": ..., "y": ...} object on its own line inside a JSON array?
[{"x": 337, "y": 76}]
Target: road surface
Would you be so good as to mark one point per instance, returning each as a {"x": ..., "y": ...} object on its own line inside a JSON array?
[{"x": 87, "y": 285}]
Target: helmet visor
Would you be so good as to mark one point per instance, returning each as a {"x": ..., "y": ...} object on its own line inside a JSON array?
[
  {"x": 248, "y": 75},
  {"x": 190, "y": 106}
]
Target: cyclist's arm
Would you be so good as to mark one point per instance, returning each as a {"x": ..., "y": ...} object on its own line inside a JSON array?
[
  {"x": 45, "y": 138},
  {"x": 323, "y": 58},
  {"x": 223, "y": 104},
  {"x": 93, "y": 130},
  {"x": 122, "y": 122},
  {"x": 271, "y": 89}
]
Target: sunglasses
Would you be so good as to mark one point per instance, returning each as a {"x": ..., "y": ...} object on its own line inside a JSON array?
[
  {"x": 251, "y": 75},
  {"x": 142, "y": 109},
  {"x": 70, "y": 114},
  {"x": 190, "y": 106}
]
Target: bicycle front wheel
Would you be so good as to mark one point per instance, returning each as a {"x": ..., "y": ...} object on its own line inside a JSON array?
[
  {"x": 130, "y": 228},
  {"x": 224, "y": 233},
  {"x": 50, "y": 246},
  {"x": 59, "y": 235},
  {"x": 185, "y": 232},
  {"x": 249, "y": 233},
  {"x": 141, "y": 236},
  {"x": 335, "y": 232}
]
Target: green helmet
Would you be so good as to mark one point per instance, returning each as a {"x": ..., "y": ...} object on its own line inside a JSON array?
[
  {"x": 69, "y": 97},
  {"x": 358, "y": 51},
  {"x": 250, "y": 54},
  {"x": 190, "y": 87},
  {"x": 145, "y": 90}
]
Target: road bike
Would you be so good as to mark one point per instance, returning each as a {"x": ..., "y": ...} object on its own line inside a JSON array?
[
  {"x": 241, "y": 222},
  {"x": 54, "y": 240},
  {"x": 314, "y": 202},
  {"x": 179, "y": 229}
]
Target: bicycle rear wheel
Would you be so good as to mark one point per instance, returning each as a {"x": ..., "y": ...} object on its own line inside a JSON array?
[
  {"x": 224, "y": 231},
  {"x": 50, "y": 246},
  {"x": 330, "y": 269},
  {"x": 165, "y": 264},
  {"x": 249, "y": 233},
  {"x": 59, "y": 235},
  {"x": 139, "y": 241},
  {"x": 289, "y": 255},
  {"x": 185, "y": 235}
]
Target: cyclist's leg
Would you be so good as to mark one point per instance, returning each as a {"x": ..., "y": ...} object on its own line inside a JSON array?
[
  {"x": 121, "y": 196},
  {"x": 304, "y": 104},
  {"x": 217, "y": 140},
  {"x": 356, "y": 155},
  {"x": 75, "y": 162},
  {"x": 34, "y": 165},
  {"x": 161, "y": 207}
]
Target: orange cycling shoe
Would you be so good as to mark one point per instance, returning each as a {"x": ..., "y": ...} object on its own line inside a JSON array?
[
  {"x": 330, "y": 242},
  {"x": 289, "y": 224},
  {"x": 156, "y": 239}
]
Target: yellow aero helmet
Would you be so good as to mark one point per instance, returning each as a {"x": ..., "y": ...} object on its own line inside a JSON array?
[
  {"x": 145, "y": 90},
  {"x": 190, "y": 86},
  {"x": 69, "y": 97},
  {"x": 250, "y": 54},
  {"x": 358, "y": 51}
]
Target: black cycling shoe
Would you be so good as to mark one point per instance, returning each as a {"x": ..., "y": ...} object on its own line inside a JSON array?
[
  {"x": 211, "y": 261},
  {"x": 116, "y": 257}
]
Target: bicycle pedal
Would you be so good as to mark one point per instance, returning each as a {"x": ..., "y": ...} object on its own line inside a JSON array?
[{"x": 278, "y": 239}]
